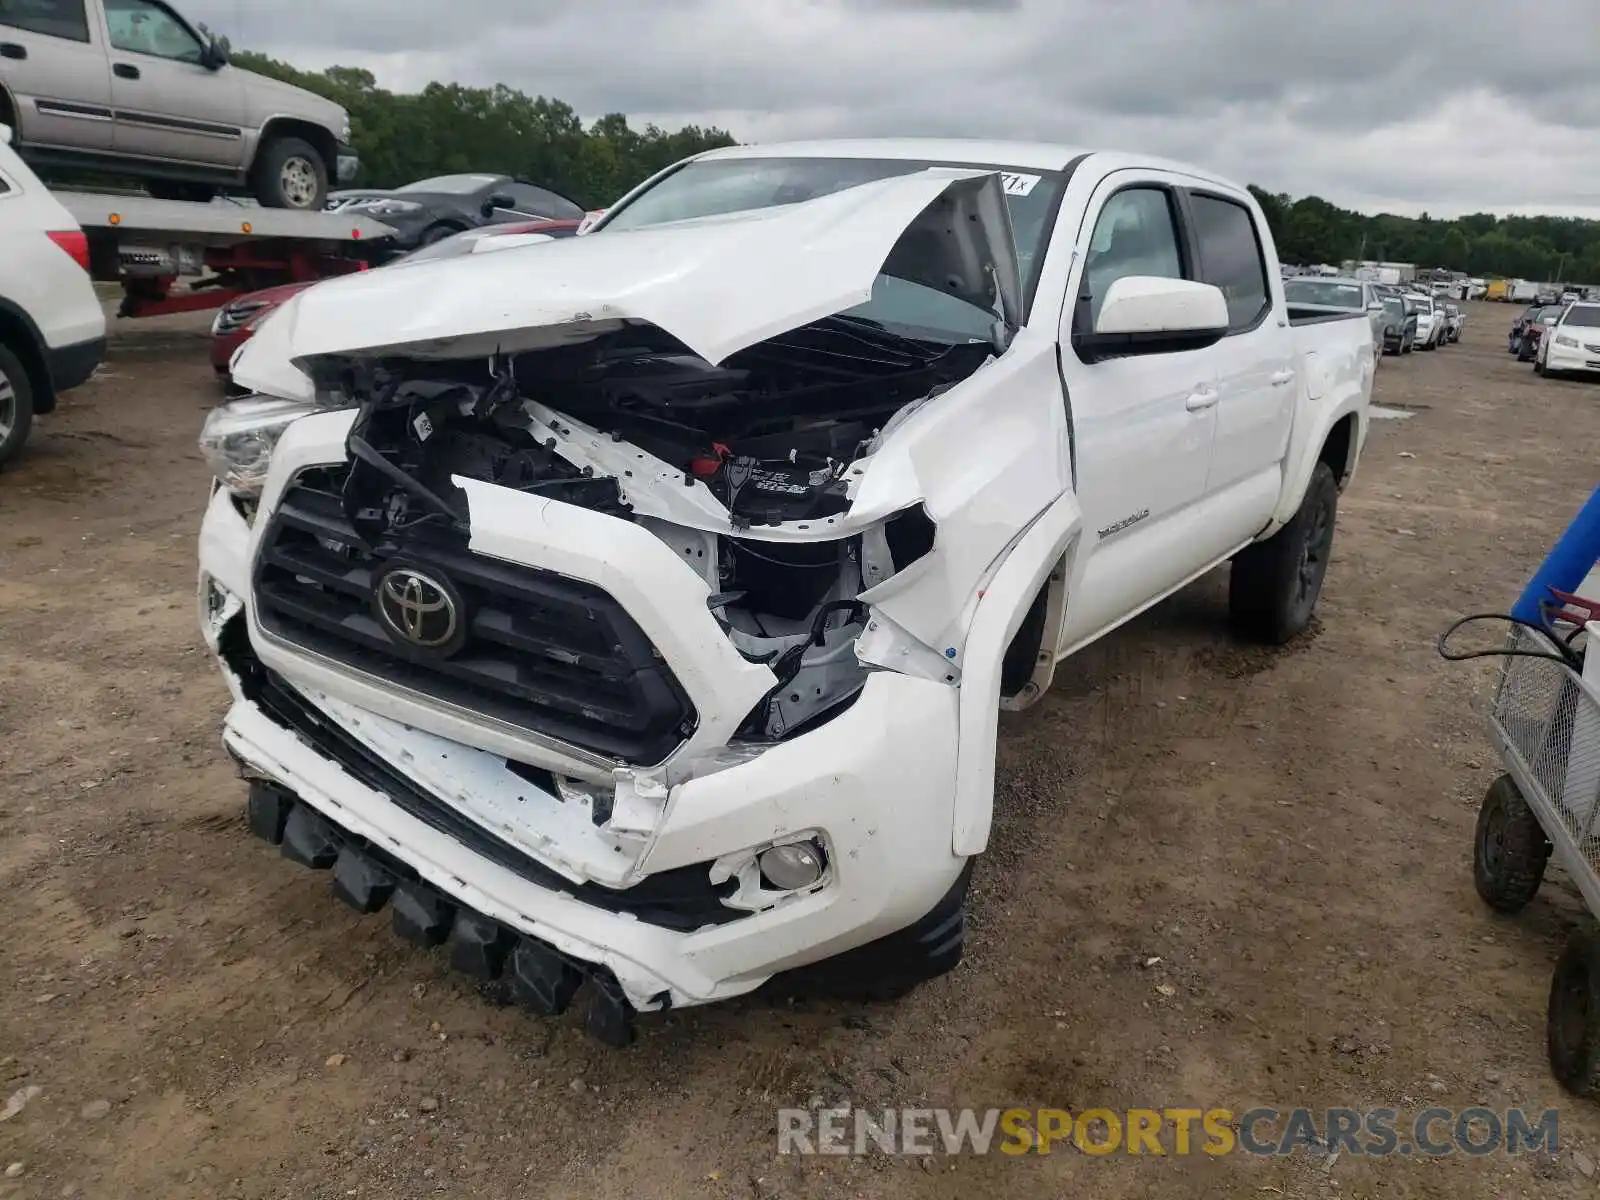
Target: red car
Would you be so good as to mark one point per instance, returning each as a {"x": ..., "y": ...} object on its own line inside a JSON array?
[{"x": 238, "y": 319}]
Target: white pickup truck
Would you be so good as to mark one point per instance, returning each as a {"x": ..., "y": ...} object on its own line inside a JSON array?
[{"x": 633, "y": 612}]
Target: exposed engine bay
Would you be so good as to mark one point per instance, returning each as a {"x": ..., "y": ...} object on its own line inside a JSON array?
[{"x": 777, "y": 434}]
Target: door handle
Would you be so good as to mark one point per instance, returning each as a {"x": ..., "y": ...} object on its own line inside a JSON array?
[
  {"x": 1279, "y": 378},
  {"x": 126, "y": 70},
  {"x": 12, "y": 50},
  {"x": 1202, "y": 398}
]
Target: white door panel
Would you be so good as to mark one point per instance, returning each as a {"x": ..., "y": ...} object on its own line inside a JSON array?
[
  {"x": 1255, "y": 362},
  {"x": 1143, "y": 424}
]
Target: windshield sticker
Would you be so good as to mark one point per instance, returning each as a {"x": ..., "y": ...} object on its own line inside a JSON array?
[{"x": 1018, "y": 185}]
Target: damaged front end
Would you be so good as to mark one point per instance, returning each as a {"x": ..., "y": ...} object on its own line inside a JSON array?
[
  {"x": 746, "y": 471},
  {"x": 587, "y": 595}
]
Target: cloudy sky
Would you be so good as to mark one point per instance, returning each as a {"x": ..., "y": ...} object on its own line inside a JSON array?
[{"x": 1447, "y": 106}]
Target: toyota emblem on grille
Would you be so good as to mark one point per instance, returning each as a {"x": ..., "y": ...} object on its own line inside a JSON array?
[{"x": 419, "y": 610}]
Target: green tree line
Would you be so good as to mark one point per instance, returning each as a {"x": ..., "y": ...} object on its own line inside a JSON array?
[
  {"x": 1310, "y": 230},
  {"x": 447, "y": 128}
]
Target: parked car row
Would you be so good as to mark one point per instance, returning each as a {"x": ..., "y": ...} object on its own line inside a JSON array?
[
  {"x": 1558, "y": 339},
  {"x": 1402, "y": 319}
]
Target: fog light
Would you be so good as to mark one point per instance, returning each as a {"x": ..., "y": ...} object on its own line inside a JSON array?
[{"x": 793, "y": 866}]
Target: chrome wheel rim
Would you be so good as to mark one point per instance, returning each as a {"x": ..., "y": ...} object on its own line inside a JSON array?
[
  {"x": 298, "y": 182},
  {"x": 8, "y": 408}
]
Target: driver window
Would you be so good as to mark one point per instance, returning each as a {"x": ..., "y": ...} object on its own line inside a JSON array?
[
  {"x": 142, "y": 27},
  {"x": 1135, "y": 235}
]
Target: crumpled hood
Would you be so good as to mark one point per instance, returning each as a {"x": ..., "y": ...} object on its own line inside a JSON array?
[{"x": 718, "y": 284}]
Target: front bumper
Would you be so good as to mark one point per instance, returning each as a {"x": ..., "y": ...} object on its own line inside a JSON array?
[
  {"x": 1582, "y": 360},
  {"x": 875, "y": 785}
]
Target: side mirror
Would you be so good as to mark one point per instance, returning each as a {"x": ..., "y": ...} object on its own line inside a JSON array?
[
  {"x": 214, "y": 56},
  {"x": 1147, "y": 314},
  {"x": 498, "y": 200}
]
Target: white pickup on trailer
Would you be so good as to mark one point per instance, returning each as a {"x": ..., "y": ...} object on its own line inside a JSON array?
[{"x": 147, "y": 245}]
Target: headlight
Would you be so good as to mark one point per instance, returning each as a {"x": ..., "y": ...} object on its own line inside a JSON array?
[
  {"x": 391, "y": 208},
  {"x": 238, "y": 438},
  {"x": 1564, "y": 340},
  {"x": 344, "y": 129}
]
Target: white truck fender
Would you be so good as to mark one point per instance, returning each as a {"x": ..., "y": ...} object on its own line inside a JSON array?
[
  {"x": 1003, "y": 604},
  {"x": 1332, "y": 392}
]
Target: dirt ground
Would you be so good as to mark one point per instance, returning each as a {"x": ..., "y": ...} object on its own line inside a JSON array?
[{"x": 1288, "y": 832}]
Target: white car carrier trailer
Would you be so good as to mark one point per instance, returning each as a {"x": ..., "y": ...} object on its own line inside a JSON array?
[{"x": 146, "y": 245}]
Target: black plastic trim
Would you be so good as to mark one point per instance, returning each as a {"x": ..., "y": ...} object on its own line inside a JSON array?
[{"x": 682, "y": 899}]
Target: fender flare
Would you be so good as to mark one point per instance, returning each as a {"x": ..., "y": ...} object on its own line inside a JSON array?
[{"x": 1003, "y": 605}]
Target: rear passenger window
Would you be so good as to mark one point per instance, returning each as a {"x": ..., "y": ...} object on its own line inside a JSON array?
[
  {"x": 1231, "y": 258},
  {"x": 1134, "y": 235},
  {"x": 53, "y": 18}
]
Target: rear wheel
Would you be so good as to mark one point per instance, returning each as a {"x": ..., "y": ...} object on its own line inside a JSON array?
[
  {"x": 1273, "y": 586},
  {"x": 289, "y": 173},
  {"x": 16, "y": 405}
]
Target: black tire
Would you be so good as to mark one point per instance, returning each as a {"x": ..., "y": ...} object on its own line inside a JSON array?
[
  {"x": 886, "y": 969},
  {"x": 1274, "y": 585},
  {"x": 195, "y": 193},
  {"x": 1572, "y": 1019},
  {"x": 1509, "y": 849},
  {"x": 437, "y": 233},
  {"x": 1538, "y": 367},
  {"x": 290, "y": 173},
  {"x": 16, "y": 405}
]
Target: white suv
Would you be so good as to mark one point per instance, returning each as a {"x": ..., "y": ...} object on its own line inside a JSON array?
[{"x": 52, "y": 329}]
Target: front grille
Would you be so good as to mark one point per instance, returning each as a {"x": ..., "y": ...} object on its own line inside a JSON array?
[
  {"x": 681, "y": 899},
  {"x": 554, "y": 656},
  {"x": 232, "y": 316}
]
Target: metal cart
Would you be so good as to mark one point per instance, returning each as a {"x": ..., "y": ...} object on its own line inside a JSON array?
[{"x": 1544, "y": 719}]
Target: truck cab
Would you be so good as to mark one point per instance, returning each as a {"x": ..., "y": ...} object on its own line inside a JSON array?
[{"x": 673, "y": 576}]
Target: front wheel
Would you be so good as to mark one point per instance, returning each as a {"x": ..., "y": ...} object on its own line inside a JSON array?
[
  {"x": 289, "y": 173},
  {"x": 1273, "y": 586},
  {"x": 1572, "y": 1020},
  {"x": 16, "y": 405}
]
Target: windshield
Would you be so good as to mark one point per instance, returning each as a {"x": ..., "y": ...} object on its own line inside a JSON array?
[
  {"x": 1331, "y": 295},
  {"x": 1549, "y": 316},
  {"x": 1586, "y": 316},
  {"x": 712, "y": 187},
  {"x": 1418, "y": 305},
  {"x": 454, "y": 185},
  {"x": 1393, "y": 306}
]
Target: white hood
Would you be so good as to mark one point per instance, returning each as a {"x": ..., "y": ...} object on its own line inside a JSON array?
[{"x": 718, "y": 285}]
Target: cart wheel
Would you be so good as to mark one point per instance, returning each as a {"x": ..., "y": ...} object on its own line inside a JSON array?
[
  {"x": 1510, "y": 850},
  {"x": 1572, "y": 1027}
]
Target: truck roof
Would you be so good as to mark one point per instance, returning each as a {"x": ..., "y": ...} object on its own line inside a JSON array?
[{"x": 1038, "y": 156}]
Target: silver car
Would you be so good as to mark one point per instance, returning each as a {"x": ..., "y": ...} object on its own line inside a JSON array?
[
  {"x": 130, "y": 87},
  {"x": 1336, "y": 295}
]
